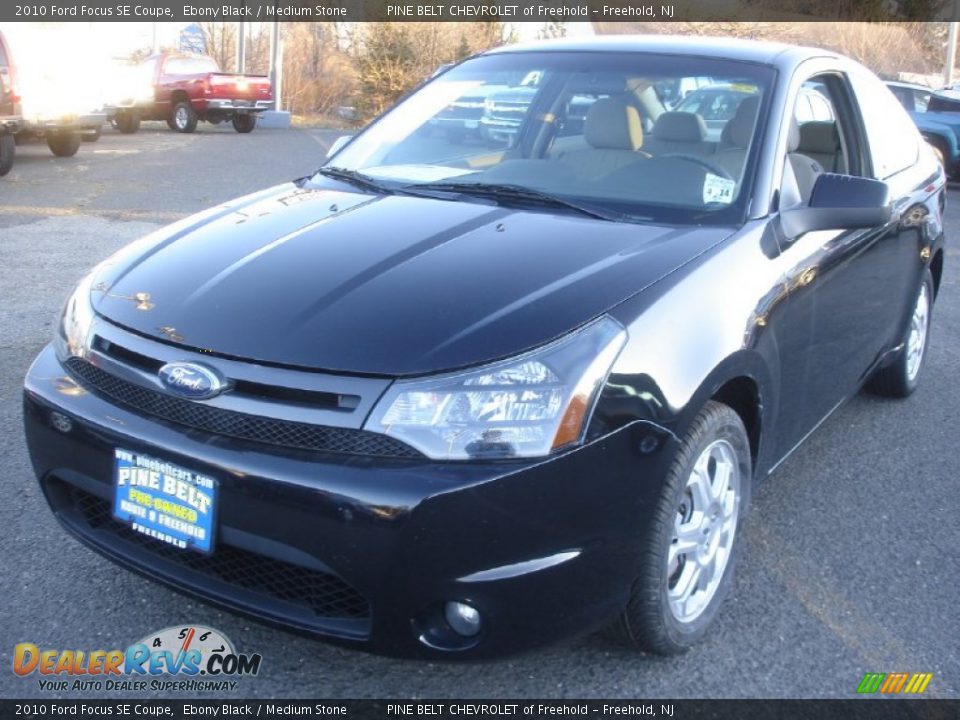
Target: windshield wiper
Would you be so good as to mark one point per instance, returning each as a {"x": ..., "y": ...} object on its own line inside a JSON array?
[
  {"x": 357, "y": 179},
  {"x": 502, "y": 192}
]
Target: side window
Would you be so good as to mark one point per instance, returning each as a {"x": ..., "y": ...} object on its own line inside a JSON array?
[
  {"x": 921, "y": 100},
  {"x": 820, "y": 106},
  {"x": 827, "y": 138},
  {"x": 820, "y": 133},
  {"x": 892, "y": 136},
  {"x": 904, "y": 95}
]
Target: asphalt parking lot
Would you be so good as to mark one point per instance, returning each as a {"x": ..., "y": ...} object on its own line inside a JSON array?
[{"x": 850, "y": 564}]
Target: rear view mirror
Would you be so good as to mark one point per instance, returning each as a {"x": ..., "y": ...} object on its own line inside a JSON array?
[
  {"x": 840, "y": 202},
  {"x": 338, "y": 144}
]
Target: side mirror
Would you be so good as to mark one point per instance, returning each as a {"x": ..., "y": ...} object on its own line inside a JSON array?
[
  {"x": 338, "y": 144},
  {"x": 840, "y": 202}
]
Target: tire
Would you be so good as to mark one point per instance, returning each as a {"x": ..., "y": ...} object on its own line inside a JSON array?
[
  {"x": 901, "y": 377},
  {"x": 656, "y": 618},
  {"x": 90, "y": 136},
  {"x": 127, "y": 122},
  {"x": 183, "y": 118},
  {"x": 244, "y": 123},
  {"x": 63, "y": 143},
  {"x": 7, "y": 151}
]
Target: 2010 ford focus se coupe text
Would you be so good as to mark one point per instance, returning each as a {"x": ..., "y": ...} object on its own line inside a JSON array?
[{"x": 459, "y": 394}]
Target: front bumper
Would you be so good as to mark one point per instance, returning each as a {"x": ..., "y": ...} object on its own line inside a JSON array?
[{"x": 366, "y": 551}]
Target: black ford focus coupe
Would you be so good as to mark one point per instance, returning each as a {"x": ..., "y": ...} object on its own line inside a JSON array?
[{"x": 457, "y": 396}]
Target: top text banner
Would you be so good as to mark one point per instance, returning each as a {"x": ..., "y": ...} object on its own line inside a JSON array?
[{"x": 456, "y": 10}]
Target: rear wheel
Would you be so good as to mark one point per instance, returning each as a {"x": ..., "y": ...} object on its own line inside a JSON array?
[
  {"x": 902, "y": 376},
  {"x": 244, "y": 123},
  {"x": 7, "y": 151},
  {"x": 686, "y": 562},
  {"x": 183, "y": 118},
  {"x": 63, "y": 143},
  {"x": 127, "y": 122}
]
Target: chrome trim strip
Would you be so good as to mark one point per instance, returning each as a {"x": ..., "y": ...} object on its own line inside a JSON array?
[
  {"x": 521, "y": 568},
  {"x": 368, "y": 390}
]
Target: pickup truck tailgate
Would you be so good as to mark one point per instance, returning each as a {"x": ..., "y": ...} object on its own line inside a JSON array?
[{"x": 240, "y": 87}]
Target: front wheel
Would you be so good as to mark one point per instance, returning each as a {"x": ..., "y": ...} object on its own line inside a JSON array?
[
  {"x": 902, "y": 376},
  {"x": 183, "y": 118},
  {"x": 127, "y": 122},
  {"x": 63, "y": 143},
  {"x": 244, "y": 123},
  {"x": 685, "y": 565},
  {"x": 7, "y": 150}
]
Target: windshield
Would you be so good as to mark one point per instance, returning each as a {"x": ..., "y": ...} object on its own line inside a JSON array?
[{"x": 588, "y": 128}]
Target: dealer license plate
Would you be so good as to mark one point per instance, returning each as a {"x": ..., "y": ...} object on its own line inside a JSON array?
[{"x": 164, "y": 501}]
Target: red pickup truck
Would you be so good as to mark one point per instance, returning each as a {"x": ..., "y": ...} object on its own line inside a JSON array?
[{"x": 188, "y": 88}]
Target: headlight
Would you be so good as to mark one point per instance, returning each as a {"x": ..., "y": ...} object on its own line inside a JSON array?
[
  {"x": 76, "y": 321},
  {"x": 524, "y": 407}
]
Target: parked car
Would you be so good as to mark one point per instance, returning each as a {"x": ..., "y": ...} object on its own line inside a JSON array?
[
  {"x": 11, "y": 118},
  {"x": 49, "y": 102},
  {"x": 461, "y": 118},
  {"x": 505, "y": 108},
  {"x": 130, "y": 96},
  {"x": 457, "y": 404},
  {"x": 189, "y": 88},
  {"x": 716, "y": 104},
  {"x": 937, "y": 116}
]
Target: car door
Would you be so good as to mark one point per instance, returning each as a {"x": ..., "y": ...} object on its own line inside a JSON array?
[{"x": 846, "y": 289}]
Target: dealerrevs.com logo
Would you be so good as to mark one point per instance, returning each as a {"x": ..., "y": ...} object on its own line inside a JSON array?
[{"x": 200, "y": 658}]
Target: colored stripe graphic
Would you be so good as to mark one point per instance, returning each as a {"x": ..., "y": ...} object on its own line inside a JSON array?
[
  {"x": 894, "y": 683},
  {"x": 918, "y": 683},
  {"x": 871, "y": 682}
]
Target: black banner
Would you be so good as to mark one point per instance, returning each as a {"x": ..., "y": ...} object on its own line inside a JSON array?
[
  {"x": 459, "y": 709},
  {"x": 470, "y": 10}
]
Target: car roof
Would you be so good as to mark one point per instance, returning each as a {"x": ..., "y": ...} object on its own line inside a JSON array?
[{"x": 781, "y": 55}]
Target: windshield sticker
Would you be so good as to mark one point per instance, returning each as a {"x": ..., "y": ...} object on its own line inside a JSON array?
[
  {"x": 744, "y": 87},
  {"x": 717, "y": 189}
]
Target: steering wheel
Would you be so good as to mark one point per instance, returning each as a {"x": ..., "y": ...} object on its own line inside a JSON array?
[{"x": 696, "y": 160}]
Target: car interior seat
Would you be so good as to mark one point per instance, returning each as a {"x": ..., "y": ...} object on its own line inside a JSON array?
[
  {"x": 736, "y": 136},
  {"x": 821, "y": 141},
  {"x": 614, "y": 137},
  {"x": 683, "y": 133},
  {"x": 800, "y": 173}
]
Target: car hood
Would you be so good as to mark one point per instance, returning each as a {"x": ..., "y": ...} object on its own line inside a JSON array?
[{"x": 385, "y": 285}]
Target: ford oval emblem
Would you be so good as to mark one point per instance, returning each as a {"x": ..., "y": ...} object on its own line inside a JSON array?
[{"x": 191, "y": 380}]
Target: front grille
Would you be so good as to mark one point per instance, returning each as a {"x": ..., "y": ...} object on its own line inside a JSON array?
[
  {"x": 324, "y": 594},
  {"x": 270, "y": 431}
]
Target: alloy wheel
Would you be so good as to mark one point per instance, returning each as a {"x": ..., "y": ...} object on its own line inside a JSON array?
[
  {"x": 917, "y": 339},
  {"x": 704, "y": 529}
]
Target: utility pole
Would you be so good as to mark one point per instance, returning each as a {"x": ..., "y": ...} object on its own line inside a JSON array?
[
  {"x": 951, "y": 50},
  {"x": 276, "y": 63},
  {"x": 241, "y": 46}
]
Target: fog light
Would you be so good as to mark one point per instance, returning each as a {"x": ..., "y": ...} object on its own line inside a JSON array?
[
  {"x": 61, "y": 422},
  {"x": 463, "y": 619}
]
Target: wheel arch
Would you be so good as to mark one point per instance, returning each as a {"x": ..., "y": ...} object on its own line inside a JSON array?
[
  {"x": 936, "y": 269},
  {"x": 742, "y": 395},
  {"x": 744, "y": 383}
]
